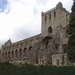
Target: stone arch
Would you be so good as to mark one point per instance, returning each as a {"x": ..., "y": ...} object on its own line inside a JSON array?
[
  {"x": 12, "y": 54},
  {"x": 9, "y": 55},
  {"x": 30, "y": 48},
  {"x": 20, "y": 53},
  {"x": 16, "y": 53},
  {"x": 25, "y": 52},
  {"x": 5, "y": 55},
  {"x": 45, "y": 40},
  {"x": 50, "y": 29}
]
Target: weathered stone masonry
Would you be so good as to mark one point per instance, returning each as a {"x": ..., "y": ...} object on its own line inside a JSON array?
[{"x": 49, "y": 47}]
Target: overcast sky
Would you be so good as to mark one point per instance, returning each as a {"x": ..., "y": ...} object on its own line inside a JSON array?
[{"x": 20, "y": 19}]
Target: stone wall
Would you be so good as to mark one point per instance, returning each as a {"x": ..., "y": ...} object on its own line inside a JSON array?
[
  {"x": 59, "y": 59},
  {"x": 19, "y": 50}
]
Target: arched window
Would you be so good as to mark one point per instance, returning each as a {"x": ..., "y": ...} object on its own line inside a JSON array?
[
  {"x": 9, "y": 54},
  {"x": 20, "y": 53},
  {"x": 50, "y": 29},
  {"x": 6, "y": 55},
  {"x": 12, "y": 54},
  {"x": 49, "y": 17},
  {"x": 16, "y": 53},
  {"x": 54, "y": 14},
  {"x": 45, "y": 18},
  {"x": 3, "y": 55}
]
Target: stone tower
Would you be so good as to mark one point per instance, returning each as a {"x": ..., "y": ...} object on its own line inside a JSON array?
[
  {"x": 54, "y": 24},
  {"x": 54, "y": 19}
]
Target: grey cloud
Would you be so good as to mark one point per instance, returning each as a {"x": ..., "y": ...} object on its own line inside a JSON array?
[
  {"x": 21, "y": 34},
  {"x": 25, "y": 32},
  {"x": 42, "y": 1}
]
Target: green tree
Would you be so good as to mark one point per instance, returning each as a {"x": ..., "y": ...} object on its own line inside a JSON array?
[{"x": 71, "y": 32}]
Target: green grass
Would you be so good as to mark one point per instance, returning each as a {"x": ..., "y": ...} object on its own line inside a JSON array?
[{"x": 30, "y": 69}]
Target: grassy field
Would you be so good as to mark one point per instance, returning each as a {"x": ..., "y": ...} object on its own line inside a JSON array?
[{"x": 29, "y": 69}]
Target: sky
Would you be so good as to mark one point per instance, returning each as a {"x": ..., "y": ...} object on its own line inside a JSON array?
[{"x": 20, "y": 19}]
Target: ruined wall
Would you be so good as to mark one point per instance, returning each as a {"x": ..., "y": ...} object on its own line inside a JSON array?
[
  {"x": 49, "y": 47},
  {"x": 48, "y": 50},
  {"x": 19, "y": 50},
  {"x": 59, "y": 59},
  {"x": 42, "y": 51}
]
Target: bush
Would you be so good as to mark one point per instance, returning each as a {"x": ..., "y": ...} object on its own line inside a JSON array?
[{"x": 30, "y": 69}]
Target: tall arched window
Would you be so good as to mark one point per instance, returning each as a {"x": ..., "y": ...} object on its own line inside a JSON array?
[
  {"x": 45, "y": 18},
  {"x": 3, "y": 55},
  {"x": 16, "y": 53},
  {"x": 49, "y": 17},
  {"x": 50, "y": 29},
  {"x": 20, "y": 53},
  {"x": 12, "y": 54},
  {"x": 6, "y": 55},
  {"x": 54, "y": 14},
  {"x": 9, "y": 54}
]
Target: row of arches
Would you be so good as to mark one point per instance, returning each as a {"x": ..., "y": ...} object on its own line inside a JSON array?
[{"x": 18, "y": 54}]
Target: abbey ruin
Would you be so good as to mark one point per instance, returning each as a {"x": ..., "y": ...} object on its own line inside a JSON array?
[{"x": 49, "y": 47}]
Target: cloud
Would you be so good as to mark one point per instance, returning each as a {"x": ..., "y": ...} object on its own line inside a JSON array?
[
  {"x": 3, "y": 4},
  {"x": 22, "y": 18},
  {"x": 42, "y": 1}
]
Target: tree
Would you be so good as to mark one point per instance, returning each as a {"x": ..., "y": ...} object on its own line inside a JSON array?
[{"x": 71, "y": 32}]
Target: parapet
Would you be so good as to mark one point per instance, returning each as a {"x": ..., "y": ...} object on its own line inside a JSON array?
[{"x": 59, "y": 5}]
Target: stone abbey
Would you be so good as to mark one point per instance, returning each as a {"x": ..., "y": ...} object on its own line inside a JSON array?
[{"x": 49, "y": 47}]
